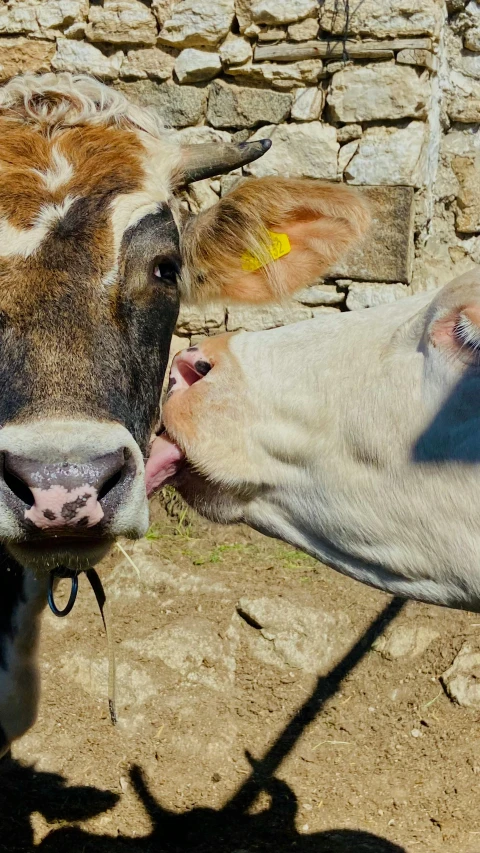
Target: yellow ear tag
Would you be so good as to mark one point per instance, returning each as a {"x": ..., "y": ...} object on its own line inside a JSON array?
[{"x": 278, "y": 247}]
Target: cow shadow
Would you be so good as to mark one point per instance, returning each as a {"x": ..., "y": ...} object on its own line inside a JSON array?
[{"x": 231, "y": 829}]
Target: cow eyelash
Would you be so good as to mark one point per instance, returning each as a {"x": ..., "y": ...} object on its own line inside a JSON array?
[
  {"x": 467, "y": 334},
  {"x": 165, "y": 271}
]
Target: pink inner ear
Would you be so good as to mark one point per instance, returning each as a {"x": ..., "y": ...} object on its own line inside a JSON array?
[{"x": 162, "y": 464}]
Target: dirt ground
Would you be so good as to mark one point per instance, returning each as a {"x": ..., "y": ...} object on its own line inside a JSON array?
[{"x": 254, "y": 713}]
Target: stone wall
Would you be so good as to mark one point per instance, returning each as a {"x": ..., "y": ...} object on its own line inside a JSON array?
[{"x": 384, "y": 95}]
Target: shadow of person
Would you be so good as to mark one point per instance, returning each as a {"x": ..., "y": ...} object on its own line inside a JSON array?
[
  {"x": 227, "y": 830},
  {"x": 23, "y": 790},
  {"x": 235, "y": 828}
]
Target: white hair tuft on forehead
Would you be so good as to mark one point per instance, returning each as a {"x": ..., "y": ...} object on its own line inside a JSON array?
[{"x": 56, "y": 101}]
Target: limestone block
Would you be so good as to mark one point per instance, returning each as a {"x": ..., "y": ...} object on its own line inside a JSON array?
[
  {"x": 279, "y": 75},
  {"x": 192, "y": 65},
  {"x": 196, "y": 23},
  {"x": 19, "y": 17},
  {"x": 374, "y": 293},
  {"x": 389, "y": 18},
  {"x": 154, "y": 62},
  {"x": 253, "y": 319},
  {"x": 349, "y": 132},
  {"x": 307, "y": 104},
  {"x": 235, "y": 106},
  {"x": 467, "y": 172},
  {"x": 61, "y": 13},
  {"x": 122, "y": 22},
  {"x": 390, "y": 155},
  {"x": 303, "y": 30},
  {"x": 386, "y": 253},
  {"x": 235, "y": 50},
  {"x": 81, "y": 57},
  {"x": 269, "y": 35},
  {"x": 417, "y": 56},
  {"x": 19, "y": 55},
  {"x": 463, "y": 103},
  {"x": 285, "y": 634},
  {"x": 378, "y": 91},
  {"x": 179, "y": 106},
  {"x": 202, "y": 194},
  {"x": 320, "y": 294},
  {"x": 199, "y": 135},
  {"x": 307, "y": 150},
  {"x": 462, "y": 679},
  {"x": 196, "y": 320},
  {"x": 280, "y": 11}
]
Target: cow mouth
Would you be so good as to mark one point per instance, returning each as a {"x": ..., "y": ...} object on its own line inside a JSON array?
[{"x": 74, "y": 553}]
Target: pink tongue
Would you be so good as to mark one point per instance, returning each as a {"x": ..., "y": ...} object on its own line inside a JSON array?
[{"x": 162, "y": 464}]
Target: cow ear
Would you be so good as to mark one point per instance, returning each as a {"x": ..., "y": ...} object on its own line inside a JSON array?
[{"x": 268, "y": 238}]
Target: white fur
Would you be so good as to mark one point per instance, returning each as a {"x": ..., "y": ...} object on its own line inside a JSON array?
[
  {"x": 314, "y": 441},
  {"x": 59, "y": 173},
  {"x": 26, "y": 241}
]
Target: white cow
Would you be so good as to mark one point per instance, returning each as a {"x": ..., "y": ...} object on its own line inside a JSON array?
[{"x": 355, "y": 437}]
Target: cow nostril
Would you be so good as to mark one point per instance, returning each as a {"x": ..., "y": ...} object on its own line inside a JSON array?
[
  {"x": 110, "y": 484},
  {"x": 18, "y": 487}
]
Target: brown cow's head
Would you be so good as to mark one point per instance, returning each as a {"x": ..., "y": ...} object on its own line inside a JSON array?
[{"x": 94, "y": 259}]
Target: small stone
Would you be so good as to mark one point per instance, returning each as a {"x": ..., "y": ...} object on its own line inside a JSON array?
[
  {"x": 320, "y": 294},
  {"x": 21, "y": 55},
  {"x": 308, "y": 150},
  {"x": 345, "y": 155},
  {"x": 466, "y": 170},
  {"x": 471, "y": 39},
  {"x": 378, "y": 91},
  {"x": 402, "y": 641},
  {"x": 349, "y": 132},
  {"x": 122, "y": 22},
  {"x": 153, "y": 62},
  {"x": 307, "y": 104},
  {"x": 303, "y": 30},
  {"x": 193, "y": 65},
  {"x": 20, "y": 17},
  {"x": 235, "y": 106},
  {"x": 387, "y": 19},
  {"x": 80, "y": 57},
  {"x": 235, "y": 50},
  {"x": 372, "y": 294},
  {"x": 463, "y": 103},
  {"x": 390, "y": 155},
  {"x": 198, "y": 23},
  {"x": 416, "y": 56},
  {"x": 462, "y": 679},
  {"x": 281, "y": 11},
  {"x": 271, "y": 36},
  {"x": 162, "y": 9},
  {"x": 179, "y": 106}
]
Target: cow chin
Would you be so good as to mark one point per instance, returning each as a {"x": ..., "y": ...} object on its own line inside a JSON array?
[
  {"x": 68, "y": 489},
  {"x": 213, "y": 500}
]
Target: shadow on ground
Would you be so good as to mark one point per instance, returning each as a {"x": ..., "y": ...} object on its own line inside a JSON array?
[{"x": 231, "y": 829}]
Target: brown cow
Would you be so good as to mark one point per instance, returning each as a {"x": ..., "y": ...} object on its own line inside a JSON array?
[{"x": 94, "y": 259}]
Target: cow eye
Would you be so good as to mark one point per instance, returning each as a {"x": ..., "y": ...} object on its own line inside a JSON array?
[{"x": 165, "y": 271}]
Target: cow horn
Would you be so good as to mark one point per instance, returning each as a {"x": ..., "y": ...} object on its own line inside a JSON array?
[{"x": 208, "y": 159}]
